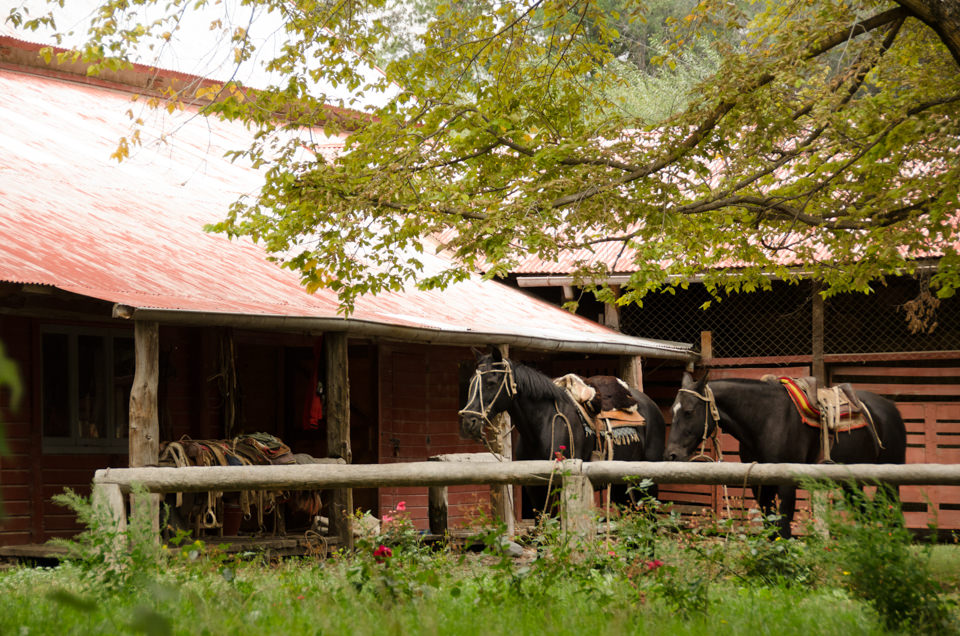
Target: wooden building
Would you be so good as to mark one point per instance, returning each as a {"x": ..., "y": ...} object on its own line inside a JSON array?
[{"x": 109, "y": 284}]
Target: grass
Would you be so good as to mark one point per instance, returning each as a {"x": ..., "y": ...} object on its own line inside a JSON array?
[
  {"x": 309, "y": 598},
  {"x": 653, "y": 578}
]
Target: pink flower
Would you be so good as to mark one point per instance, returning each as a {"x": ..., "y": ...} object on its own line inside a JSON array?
[
  {"x": 653, "y": 565},
  {"x": 382, "y": 552},
  {"x": 611, "y": 553},
  {"x": 562, "y": 447},
  {"x": 387, "y": 519},
  {"x": 401, "y": 506}
]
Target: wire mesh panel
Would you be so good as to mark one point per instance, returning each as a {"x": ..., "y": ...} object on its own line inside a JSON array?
[{"x": 899, "y": 316}]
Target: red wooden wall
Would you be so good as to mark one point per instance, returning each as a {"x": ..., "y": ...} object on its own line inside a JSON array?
[{"x": 419, "y": 398}]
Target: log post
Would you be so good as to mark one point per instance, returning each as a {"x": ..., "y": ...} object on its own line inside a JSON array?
[
  {"x": 438, "y": 504},
  {"x": 706, "y": 346},
  {"x": 144, "y": 432},
  {"x": 338, "y": 431},
  {"x": 819, "y": 370},
  {"x": 108, "y": 499},
  {"x": 501, "y": 496},
  {"x": 818, "y": 500},
  {"x": 576, "y": 502},
  {"x": 631, "y": 371}
]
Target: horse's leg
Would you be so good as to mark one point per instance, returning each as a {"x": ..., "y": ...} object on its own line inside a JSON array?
[
  {"x": 766, "y": 497},
  {"x": 537, "y": 500},
  {"x": 788, "y": 506}
]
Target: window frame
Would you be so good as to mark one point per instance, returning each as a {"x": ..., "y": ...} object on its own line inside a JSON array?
[{"x": 75, "y": 443}]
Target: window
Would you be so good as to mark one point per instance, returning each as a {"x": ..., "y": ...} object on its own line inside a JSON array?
[{"x": 87, "y": 376}]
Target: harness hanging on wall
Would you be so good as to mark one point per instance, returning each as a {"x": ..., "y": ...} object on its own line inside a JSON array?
[{"x": 313, "y": 413}]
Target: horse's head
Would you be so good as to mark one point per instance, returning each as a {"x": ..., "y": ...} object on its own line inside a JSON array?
[
  {"x": 694, "y": 418},
  {"x": 492, "y": 388}
]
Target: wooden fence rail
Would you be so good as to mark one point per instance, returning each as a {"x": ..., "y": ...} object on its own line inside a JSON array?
[{"x": 577, "y": 478}]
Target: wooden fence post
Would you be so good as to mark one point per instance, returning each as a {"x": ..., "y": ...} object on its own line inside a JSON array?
[
  {"x": 338, "y": 431},
  {"x": 437, "y": 509},
  {"x": 108, "y": 498},
  {"x": 576, "y": 501}
]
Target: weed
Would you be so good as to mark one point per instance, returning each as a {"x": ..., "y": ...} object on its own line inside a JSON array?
[
  {"x": 110, "y": 559},
  {"x": 877, "y": 562}
]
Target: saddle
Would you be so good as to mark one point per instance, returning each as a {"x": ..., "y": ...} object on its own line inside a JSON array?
[
  {"x": 606, "y": 406},
  {"x": 837, "y": 407},
  {"x": 833, "y": 410}
]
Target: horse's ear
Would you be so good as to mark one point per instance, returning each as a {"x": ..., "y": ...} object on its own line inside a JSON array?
[
  {"x": 495, "y": 353},
  {"x": 687, "y": 381}
]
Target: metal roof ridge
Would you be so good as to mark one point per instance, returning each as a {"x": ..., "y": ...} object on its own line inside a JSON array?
[{"x": 151, "y": 74}]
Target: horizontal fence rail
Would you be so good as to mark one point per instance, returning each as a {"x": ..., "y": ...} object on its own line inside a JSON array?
[
  {"x": 528, "y": 473},
  {"x": 576, "y": 478}
]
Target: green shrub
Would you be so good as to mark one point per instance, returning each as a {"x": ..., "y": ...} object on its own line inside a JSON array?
[
  {"x": 878, "y": 563},
  {"x": 110, "y": 559}
]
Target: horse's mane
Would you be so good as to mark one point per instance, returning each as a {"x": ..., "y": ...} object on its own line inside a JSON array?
[{"x": 533, "y": 383}]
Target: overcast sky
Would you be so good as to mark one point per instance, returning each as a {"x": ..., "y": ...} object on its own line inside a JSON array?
[{"x": 195, "y": 48}]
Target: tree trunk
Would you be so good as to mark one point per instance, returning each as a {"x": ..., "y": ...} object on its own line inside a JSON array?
[{"x": 943, "y": 16}]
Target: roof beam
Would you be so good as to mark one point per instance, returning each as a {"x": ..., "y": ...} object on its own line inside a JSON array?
[{"x": 617, "y": 344}]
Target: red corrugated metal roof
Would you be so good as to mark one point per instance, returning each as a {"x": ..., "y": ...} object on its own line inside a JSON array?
[{"x": 131, "y": 233}]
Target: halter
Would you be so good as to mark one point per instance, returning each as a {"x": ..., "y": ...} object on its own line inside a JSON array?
[
  {"x": 508, "y": 385},
  {"x": 713, "y": 411},
  {"x": 710, "y": 411}
]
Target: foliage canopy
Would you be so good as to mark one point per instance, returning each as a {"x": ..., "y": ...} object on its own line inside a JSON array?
[{"x": 823, "y": 144}]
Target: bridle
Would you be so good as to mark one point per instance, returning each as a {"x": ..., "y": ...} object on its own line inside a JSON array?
[
  {"x": 508, "y": 386},
  {"x": 711, "y": 411}
]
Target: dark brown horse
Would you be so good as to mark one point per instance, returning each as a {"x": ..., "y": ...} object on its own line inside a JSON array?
[
  {"x": 548, "y": 421},
  {"x": 764, "y": 419}
]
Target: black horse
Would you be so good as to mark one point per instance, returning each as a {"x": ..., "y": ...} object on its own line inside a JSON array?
[
  {"x": 548, "y": 421},
  {"x": 763, "y": 418}
]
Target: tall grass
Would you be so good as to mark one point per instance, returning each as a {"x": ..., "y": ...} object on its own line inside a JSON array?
[{"x": 653, "y": 577}]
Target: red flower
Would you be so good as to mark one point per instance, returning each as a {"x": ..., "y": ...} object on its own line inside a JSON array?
[
  {"x": 401, "y": 506},
  {"x": 653, "y": 565},
  {"x": 382, "y": 552}
]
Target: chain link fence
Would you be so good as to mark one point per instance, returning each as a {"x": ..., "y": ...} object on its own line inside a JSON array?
[{"x": 900, "y": 316}]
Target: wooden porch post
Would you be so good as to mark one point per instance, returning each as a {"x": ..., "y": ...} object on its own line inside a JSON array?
[
  {"x": 338, "y": 430},
  {"x": 819, "y": 370},
  {"x": 501, "y": 497},
  {"x": 144, "y": 433},
  {"x": 706, "y": 346},
  {"x": 631, "y": 372}
]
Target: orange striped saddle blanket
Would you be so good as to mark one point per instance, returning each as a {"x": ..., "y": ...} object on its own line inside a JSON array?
[{"x": 837, "y": 408}]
